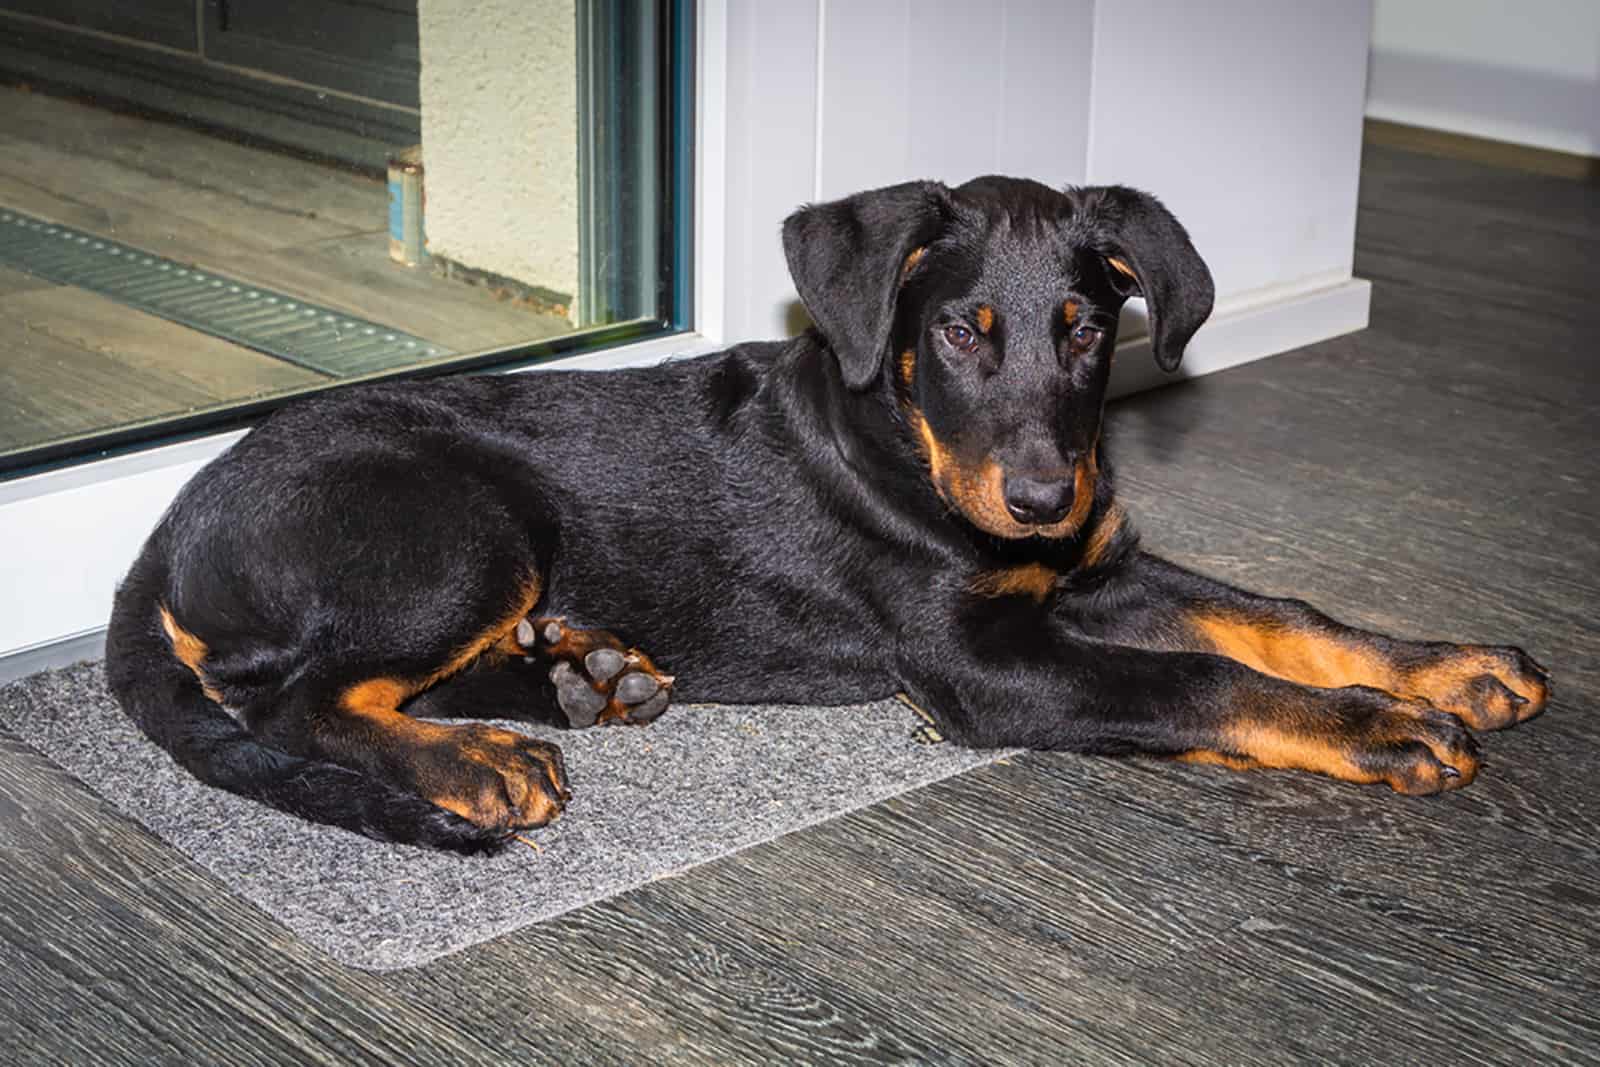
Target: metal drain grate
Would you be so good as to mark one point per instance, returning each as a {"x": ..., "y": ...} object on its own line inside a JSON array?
[{"x": 310, "y": 335}]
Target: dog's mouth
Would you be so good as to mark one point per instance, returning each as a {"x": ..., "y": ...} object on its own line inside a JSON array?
[{"x": 978, "y": 491}]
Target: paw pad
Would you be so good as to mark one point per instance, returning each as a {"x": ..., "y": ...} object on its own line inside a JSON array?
[{"x": 596, "y": 679}]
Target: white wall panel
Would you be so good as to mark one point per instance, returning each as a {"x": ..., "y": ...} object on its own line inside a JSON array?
[
  {"x": 828, "y": 98},
  {"x": 949, "y": 90},
  {"x": 66, "y": 548},
  {"x": 770, "y": 145},
  {"x": 866, "y": 92},
  {"x": 1245, "y": 117},
  {"x": 1528, "y": 73},
  {"x": 1042, "y": 123}
]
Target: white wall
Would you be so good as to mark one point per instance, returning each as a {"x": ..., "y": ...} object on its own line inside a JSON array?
[
  {"x": 69, "y": 537},
  {"x": 1244, "y": 115},
  {"x": 499, "y": 91},
  {"x": 829, "y": 97},
  {"x": 1528, "y": 72}
]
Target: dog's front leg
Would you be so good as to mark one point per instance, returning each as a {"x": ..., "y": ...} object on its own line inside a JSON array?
[
  {"x": 999, "y": 678},
  {"x": 1489, "y": 687}
]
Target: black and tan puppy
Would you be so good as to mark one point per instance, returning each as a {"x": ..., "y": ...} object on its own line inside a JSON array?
[{"x": 912, "y": 498}]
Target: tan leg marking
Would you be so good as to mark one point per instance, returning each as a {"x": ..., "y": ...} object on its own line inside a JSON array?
[
  {"x": 190, "y": 650},
  {"x": 1298, "y": 656},
  {"x": 487, "y": 775},
  {"x": 1361, "y": 735},
  {"x": 1488, "y": 688},
  {"x": 1217, "y": 759}
]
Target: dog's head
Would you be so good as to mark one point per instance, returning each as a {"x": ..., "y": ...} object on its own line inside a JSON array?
[{"x": 998, "y": 303}]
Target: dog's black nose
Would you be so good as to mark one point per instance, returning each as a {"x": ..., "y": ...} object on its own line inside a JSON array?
[{"x": 1036, "y": 502}]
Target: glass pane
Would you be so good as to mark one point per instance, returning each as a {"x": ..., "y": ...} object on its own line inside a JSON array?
[{"x": 208, "y": 208}]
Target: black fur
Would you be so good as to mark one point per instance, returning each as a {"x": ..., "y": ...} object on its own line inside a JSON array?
[{"x": 761, "y": 521}]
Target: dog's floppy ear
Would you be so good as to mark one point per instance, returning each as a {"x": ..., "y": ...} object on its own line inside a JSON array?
[
  {"x": 1150, "y": 255},
  {"x": 846, "y": 259}
]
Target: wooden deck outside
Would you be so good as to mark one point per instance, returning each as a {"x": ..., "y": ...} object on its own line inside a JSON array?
[{"x": 73, "y": 362}]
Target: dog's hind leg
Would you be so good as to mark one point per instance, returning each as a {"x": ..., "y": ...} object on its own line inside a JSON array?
[
  {"x": 508, "y": 690},
  {"x": 345, "y": 708},
  {"x": 494, "y": 778}
]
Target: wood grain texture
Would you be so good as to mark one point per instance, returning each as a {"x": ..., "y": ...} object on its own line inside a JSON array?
[
  {"x": 77, "y": 363},
  {"x": 137, "y": 956},
  {"x": 352, "y": 274},
  {"x": 165, "y": 351},
  {"x": 315, "y": 232},
  {"x": 1448, "y": 145},
  {"x": 54, "y": 389},
  {"x": 1432, "y": 475},
  {"x": 232, "y": 218},
  {"x": 185, "y": 160},
  {"x": 16, "y": 281}
]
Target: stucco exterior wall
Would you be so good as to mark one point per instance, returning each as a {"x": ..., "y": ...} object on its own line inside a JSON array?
[{"x": 500, "y": 137}]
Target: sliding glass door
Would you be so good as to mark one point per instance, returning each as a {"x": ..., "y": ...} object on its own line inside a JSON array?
[{"x": 207, "y": 210}]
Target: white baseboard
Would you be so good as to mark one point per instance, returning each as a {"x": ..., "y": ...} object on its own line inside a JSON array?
[
  {"x": 60, "y": 653},
  {"x": 1249, "y": 327}
]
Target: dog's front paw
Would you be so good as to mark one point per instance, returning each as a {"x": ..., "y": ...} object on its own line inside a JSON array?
[
  {"x": 1488, "y": 687},
  {"x": 597, "y": 680},
  {"x": 1357, "y": 734},
  {"x": 1410, "y": 745}
]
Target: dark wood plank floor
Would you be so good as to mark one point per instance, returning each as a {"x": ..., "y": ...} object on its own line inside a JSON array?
[{"x": 1432, "y": 475}]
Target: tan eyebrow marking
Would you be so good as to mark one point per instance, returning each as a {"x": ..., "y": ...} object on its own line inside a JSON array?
[{"x": 911, "y": 261}]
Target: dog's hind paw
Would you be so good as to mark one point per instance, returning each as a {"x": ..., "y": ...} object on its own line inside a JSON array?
[{"x": 597, "y": 679}]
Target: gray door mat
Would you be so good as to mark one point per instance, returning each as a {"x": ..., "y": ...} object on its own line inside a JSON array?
[
  {"x": 701, "y": 782},
  {"x": 309, "y": 335}
]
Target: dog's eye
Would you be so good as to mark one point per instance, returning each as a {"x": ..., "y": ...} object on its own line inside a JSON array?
[
  {"x": 1084, "y": 338},
  {"x": 961, "y": 337}
]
